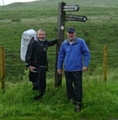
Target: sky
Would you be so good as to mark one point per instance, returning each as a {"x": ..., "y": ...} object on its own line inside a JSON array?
[{"x": 6, "y": 2}]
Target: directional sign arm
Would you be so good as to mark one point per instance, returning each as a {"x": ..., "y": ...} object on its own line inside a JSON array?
[
  {"x": 71, "y": 8},
  {"x": 79, "y": 18}
]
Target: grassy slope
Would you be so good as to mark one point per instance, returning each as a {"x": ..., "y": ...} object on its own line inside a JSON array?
[
  {"x": 99, "y": 101},
  {"x": 100, "y": 29}
]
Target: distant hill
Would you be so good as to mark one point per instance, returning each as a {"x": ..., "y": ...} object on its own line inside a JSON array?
[{"x": 54, "y": 3}]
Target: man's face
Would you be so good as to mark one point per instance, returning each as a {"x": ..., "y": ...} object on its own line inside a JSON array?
[
  {"x": 71, "y": 35},
  {"x": 41, "y": 35}
]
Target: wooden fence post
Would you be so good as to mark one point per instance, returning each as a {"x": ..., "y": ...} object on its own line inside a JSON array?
[
  {"x": 2, "y": 67},
  {"x": 105, "y": 55}
]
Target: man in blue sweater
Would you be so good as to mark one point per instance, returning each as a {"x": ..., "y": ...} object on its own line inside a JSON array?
[{"x": 75, "y": 55}]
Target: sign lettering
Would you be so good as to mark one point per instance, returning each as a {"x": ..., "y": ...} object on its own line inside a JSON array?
[
  {"x": 79, "y": 18},
  {"x": 70, "y": 8}
]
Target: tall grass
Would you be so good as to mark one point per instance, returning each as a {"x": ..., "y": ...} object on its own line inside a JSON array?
[{"x": 100, "y": 101}]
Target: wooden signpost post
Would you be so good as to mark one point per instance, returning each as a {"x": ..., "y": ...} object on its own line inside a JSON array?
[{"x": 62, "y": 17}]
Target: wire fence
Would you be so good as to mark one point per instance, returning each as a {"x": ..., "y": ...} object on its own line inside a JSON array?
[{"x": 102, "y": 59}]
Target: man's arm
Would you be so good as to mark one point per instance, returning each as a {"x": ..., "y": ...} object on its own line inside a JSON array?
[
  {"x": 86, "y": 53},
  {"x": 51, "y": 42}
]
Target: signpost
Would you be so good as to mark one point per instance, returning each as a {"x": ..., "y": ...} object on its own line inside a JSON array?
[
  {"x": 60, "y": 37},
  {"x": 62, "y": 17}
]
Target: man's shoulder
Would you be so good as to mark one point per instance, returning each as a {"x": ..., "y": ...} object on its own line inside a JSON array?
[
  {"x": 65, "y": 41},
  {"x": 33, "y": 42},
  {"x": 81, "y": 39}
]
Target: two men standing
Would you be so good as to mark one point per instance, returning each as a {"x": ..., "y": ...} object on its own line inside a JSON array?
[{"x": 73, "y": 53}]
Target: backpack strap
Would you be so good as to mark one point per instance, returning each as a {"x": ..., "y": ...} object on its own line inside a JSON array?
[{"x": 42, "y": 45}]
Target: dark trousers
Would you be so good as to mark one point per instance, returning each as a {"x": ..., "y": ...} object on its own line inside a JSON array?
[
  {"x": 74, "y": 85},
  {"x": 39, "y": 79}
]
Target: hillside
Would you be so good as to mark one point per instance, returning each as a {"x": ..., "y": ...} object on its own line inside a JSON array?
[{"x": 100, "y": 29}]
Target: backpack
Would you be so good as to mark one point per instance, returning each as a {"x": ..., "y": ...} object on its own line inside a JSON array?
[{"x": 26, "y": 37}]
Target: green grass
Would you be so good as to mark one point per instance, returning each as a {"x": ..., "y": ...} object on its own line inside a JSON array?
[{"x": 100, "y": 101}]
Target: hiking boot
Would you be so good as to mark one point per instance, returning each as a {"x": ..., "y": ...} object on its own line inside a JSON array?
[{"x": 77, "y": 107}]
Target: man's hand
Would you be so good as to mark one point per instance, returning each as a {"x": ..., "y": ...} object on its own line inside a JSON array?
[
  {"x": 31, "y": 68},
  {"x": 59, "y": 71},
  {"x": 84, "y": 69}
]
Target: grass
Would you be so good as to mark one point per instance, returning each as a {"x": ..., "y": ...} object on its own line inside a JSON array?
[
  {"x": 99, "y": 97},
  {"x": 99, "y": 101}
]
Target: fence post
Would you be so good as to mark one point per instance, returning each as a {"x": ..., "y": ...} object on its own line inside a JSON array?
[
  {"x": 105, "y": 55},
  {"x": 2, "y": 67}
]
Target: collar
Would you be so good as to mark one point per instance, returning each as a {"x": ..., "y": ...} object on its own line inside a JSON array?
[{"x": 72, "y": 42}]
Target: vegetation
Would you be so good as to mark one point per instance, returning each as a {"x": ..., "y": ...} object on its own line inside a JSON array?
[
  {"x": 100, "y": 101},
  {"x": 100, "y": 98}
]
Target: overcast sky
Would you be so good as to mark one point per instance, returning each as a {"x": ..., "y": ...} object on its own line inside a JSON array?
[{"x": 5, "y": 2}]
